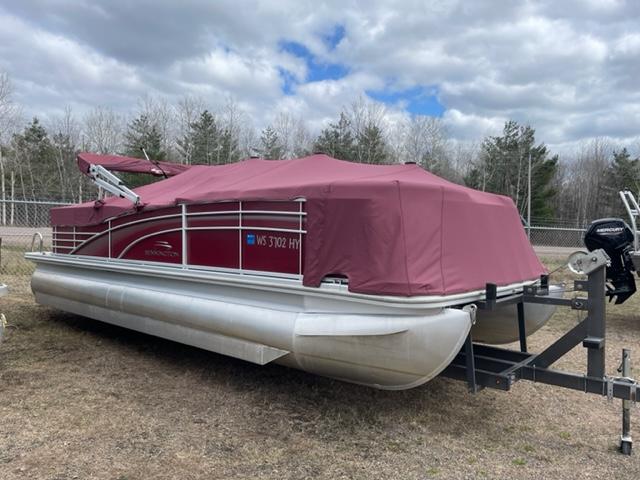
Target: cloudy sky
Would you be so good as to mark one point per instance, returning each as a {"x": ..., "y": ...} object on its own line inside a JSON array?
[{"x": 569, "y": 68}]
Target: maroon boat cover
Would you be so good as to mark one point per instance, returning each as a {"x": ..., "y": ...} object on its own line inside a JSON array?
[
  {"x": 116, "y": 163},
  {"x": 391, "y": 229}
]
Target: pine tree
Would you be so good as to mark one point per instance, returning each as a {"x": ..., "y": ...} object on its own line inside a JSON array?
[
  {"x": 371, "y": 145},
  {"x": 624, "y": 172},
  {"x": 202, "y": 143},
  {"x": 503, "y": 168},
  {"x": 35, "y": 142},
  {"x": 142, "y": 133},
  {"x": 271, "y": 148},
  {"x": 230, "y": 151},
  {"x": 337, "y": 140},
  {"x": 36, "y": 160}
]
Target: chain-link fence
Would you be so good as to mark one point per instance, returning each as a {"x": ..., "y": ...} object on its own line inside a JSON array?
[
  {"x": 557, "y": 237},
  {"x": 20, "y": 221}
]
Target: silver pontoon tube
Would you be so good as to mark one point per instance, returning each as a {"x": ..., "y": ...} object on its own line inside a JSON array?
[{"x": 382, "y": 350}]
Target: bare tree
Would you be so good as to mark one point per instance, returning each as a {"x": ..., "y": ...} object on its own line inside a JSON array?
[
  {"x": 462, "y": 155},
  {"x": 187, "y": 112},
  {"x": 635, "y": 148},
  {"x": 370, "y": 129},
  {"x": 65, "y": 134},
  {"x": 241, "y": 134},
  {"x": 294, "y": 137},
  {"x": 302, "y": 139},
  {"x": 363, "y": 112},
  {"x": 424, "y": 141},
  {"x": 9, "y": 110},
  {"x": 584, "y": 194},
  {"x": 8, "y": 114},
  {"x": 103, "y": 130}
]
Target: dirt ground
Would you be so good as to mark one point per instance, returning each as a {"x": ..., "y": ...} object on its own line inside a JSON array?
[{"x": 80, "y": 399}]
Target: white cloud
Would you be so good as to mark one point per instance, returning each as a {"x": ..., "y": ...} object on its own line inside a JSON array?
[
  {"x": 570, "y": 68},
  {"x": 229, "y": 71},
  {"x": 50, "y": 71},
  {"x": 471, "y": 127}
]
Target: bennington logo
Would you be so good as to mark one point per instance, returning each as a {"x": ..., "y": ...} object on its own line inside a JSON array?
[
  {"x": 609, "y": 229},
  {"x": 161, "y": 249}
]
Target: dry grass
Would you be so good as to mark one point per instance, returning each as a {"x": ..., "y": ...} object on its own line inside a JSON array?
[
  {"x": 15, "y": 270},
  {"x": 82, "y": 399}
]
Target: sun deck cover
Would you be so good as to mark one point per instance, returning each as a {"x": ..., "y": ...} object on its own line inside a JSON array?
[
  {"x": 116, "y": 163},
  {"x": 392, "y": 229}
]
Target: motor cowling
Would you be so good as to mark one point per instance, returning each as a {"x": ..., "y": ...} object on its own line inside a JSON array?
[{"x": 615, "y": 237}]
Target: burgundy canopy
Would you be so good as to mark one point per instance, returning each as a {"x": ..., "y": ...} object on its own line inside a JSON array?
[
  {"x": 116, "y": 163},
  {"x": 392, "y": 229}
]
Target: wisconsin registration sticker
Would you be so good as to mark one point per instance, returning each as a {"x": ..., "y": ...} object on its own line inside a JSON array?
[{"x": 251, "y": 239}]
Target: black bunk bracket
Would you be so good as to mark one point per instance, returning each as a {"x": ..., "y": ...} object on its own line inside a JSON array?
[{"x": 485, "y": 366}]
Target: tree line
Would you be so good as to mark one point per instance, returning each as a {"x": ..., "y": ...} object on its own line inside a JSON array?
[{"x": 37, "y": 161}]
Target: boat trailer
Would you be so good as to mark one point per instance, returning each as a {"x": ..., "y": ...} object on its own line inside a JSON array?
[{"x": 484, "y": 366}]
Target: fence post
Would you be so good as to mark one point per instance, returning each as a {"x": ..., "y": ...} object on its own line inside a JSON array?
[
  {"x": 4, "y": 194},
  {"x": 13, "y": 193}
]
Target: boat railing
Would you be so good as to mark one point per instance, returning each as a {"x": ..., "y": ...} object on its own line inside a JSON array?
[
  {"x": 70, "y": 240},
  {"x": 40, "y": 238},
  {"x": 633, "y": 210}
]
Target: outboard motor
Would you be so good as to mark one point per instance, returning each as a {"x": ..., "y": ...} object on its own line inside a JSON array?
[{"x": 615, "y": 237}]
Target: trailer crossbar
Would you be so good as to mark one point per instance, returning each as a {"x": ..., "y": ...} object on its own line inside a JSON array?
[{"x": 493, "y": 370}]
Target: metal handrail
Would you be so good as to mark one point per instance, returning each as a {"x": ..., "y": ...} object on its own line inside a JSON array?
[
  {"x": 33, "y": 241},
  {"x": 627, "y": 197}
]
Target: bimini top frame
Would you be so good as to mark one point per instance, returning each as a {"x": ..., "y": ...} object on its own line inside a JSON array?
[
  {"x": 112, "y": 183},
  {"x": 492, "y": 367}
]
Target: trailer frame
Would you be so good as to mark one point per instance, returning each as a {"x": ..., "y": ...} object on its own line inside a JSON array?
[{"x": 485, "y": 366}]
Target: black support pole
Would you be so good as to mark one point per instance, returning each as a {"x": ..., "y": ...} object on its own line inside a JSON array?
[
  {"x": 560, "y": 347},
  {"x": 470, "y": 364},
  {"x": 626, "y": 444},
  {"x": 596, "y": 325},
  {"x": 522, "y": 332}
]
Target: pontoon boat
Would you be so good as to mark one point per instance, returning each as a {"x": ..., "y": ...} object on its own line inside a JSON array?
[{"x": 358, "y": 272}]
